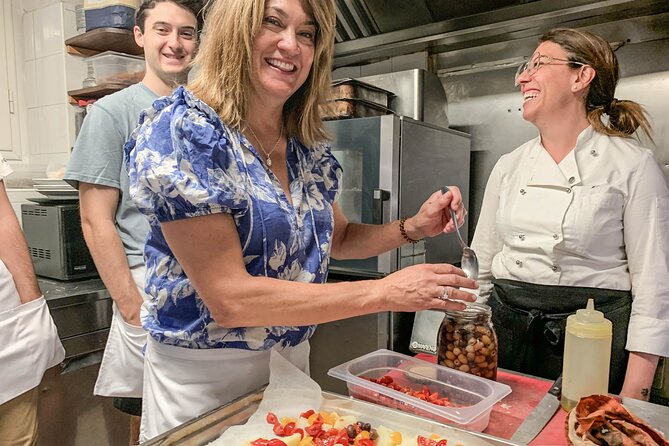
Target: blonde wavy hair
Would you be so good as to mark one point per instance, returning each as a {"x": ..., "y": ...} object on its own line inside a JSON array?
[
  {"x": 624, "y": 116},
  {"x": 224, "y": 59}
]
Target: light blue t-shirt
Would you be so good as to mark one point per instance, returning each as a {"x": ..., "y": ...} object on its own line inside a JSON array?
[
  {"x": 98, "y": 159},
  {"x": 184, "y": 162}
]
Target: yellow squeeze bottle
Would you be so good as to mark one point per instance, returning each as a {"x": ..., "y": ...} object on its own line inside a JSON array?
[{"x": 587, "y": 356}]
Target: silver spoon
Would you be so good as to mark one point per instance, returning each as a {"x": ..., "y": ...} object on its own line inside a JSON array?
[{"x": 469, "y": 263}]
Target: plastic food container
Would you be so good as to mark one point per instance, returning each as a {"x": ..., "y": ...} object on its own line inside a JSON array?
[
  {"x": 111, "y": 67},
  {"x": 472, "y": 396}
]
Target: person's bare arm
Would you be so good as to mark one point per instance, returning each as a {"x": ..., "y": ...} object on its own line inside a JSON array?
[
  {"x": 209, "y": 251},
  {"x": 14, "y": 251},
  {"x": 639, "y": 376},
  {"x": 98, "y": 208},
  {"x": 360, "y": 241}
]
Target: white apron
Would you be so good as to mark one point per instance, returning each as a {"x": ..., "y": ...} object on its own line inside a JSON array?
[
  {"x": 29, "y": 341},
  {"x": 122, "y": 368},
  {"x": 181, "y": 383},
  {"x": 9, "y": 297}
]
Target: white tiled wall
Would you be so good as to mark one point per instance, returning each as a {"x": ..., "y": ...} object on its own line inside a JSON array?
[{"x": 49, "y": 72}]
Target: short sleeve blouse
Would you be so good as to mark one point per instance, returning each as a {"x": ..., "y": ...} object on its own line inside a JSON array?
[{"x": 184, "y": 162}]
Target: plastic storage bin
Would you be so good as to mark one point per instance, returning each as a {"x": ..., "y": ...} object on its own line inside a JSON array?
[
  {"x": 111, "y": 67},
  {"x": 472, "y": 396},
  {"x": 110, "y": 14}
]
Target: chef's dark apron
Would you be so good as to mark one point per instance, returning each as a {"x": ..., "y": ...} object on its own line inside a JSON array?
[{"x": 530, "y": 322}]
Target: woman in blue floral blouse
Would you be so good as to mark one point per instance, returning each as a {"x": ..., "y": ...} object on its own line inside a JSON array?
[{"x": 241, "y": 191}]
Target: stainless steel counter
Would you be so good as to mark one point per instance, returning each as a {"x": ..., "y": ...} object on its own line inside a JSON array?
[
  {"x": 82, "y": 313},
  {"x": 654, "y": 414},
  {"x": 55, "y": 290}
]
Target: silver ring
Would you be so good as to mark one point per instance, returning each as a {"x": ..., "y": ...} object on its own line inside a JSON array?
[{"x": 444, "y": 295}]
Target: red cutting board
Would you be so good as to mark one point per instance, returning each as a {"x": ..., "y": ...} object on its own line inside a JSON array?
[{"x": 509, "y": 413}]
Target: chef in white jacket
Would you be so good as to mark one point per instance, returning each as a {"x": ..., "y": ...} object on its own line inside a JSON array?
[
  {"x": 29, "y": 341},
  {"x": 581, "y": 211}
]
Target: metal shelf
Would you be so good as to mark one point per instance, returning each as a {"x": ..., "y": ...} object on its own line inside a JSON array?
[
  {"x": 95, "y": 92},
  {"x": 98, "y": 40}
]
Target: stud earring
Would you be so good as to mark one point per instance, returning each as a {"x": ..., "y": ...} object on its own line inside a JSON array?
[{"x": 573, "y": 88}]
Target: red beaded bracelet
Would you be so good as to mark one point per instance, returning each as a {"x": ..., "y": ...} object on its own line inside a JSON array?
[{"x": 404, "y": 233}]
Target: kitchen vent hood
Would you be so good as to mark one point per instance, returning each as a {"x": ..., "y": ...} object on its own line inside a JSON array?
[
  {"x": 364, "y": 18},
  {"x": 371, "y": 30}
]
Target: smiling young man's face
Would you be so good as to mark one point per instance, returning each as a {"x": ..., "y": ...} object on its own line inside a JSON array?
[
  {"x": 283, "y": 50},
  {"x": 170, "y": 40}
]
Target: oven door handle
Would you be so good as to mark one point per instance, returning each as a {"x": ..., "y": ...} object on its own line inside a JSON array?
[{"x": 379, "y": 197}]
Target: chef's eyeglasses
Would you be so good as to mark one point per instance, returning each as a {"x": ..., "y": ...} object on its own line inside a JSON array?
[{"x": 532, "y": 65}]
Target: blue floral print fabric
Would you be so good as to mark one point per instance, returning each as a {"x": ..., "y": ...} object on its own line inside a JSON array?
[{"x": 184, "y": 162}]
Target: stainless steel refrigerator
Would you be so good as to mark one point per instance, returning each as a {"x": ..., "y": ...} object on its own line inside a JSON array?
[{"x": 391, "y": 165}]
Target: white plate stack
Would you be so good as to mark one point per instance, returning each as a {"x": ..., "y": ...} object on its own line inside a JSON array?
[{"x": 55, "y": 189}]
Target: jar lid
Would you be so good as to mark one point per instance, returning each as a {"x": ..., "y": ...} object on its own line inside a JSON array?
[{"x": 472, "y": 309}]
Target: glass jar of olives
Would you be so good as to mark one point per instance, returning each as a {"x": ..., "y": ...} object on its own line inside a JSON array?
[{"x": 467, "y": 341}]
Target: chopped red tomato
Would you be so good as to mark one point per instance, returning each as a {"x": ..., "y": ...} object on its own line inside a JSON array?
[
  {"x": 423, "y": 394},
  {"x": 314, "y": 429},
  {"x": 271, "y": 418},
  {"x": 265, "y": 442},
  {"x": 285, "y": 430},
  {"x": 299, "y": 430},
  {"x": 307, "y": 414},
  {"x": 422, "y": 441}
]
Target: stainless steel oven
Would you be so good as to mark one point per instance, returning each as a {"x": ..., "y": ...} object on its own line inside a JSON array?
[{"x": 391, "y": 166}]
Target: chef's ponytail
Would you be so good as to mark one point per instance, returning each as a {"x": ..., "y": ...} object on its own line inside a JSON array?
[{"x": 619, "y": 118}]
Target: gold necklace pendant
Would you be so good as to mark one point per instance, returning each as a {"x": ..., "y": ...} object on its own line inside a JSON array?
[{"x": 268, "y": 160}]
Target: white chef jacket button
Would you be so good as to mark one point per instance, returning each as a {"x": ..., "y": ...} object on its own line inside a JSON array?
[
  {"x": 519, "y": 263},
  {"x": 522, "y": 191},
  {"x": 568, "y": 190},
  {"x": 555, "y": 236},
  {"x": 593, "y": 152},
  {"x": 571, "y": 180},
  {"x": 521, "y": 236},
  {"x": 555, "y": 267}
]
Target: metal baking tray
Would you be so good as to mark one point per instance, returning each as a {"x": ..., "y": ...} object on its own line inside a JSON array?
[
  {"x": 354, "y": 89},
  {"x": 355, "y": 108},
  {"x": 209, "y": 427}
]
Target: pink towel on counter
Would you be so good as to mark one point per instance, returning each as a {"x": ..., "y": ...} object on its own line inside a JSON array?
[{"x": 602, "y": 420}]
